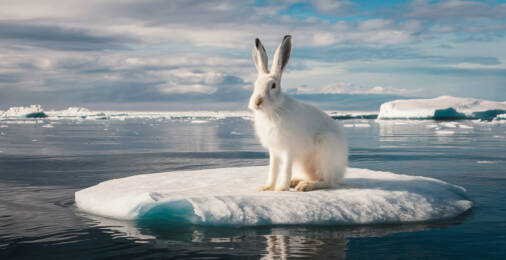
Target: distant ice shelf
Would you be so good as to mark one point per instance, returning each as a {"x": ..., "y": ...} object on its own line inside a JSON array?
[
  {"x": 229, "y": 196},
  {"x": 443, "y": 107},
  {"x": 81, "y": 113}
]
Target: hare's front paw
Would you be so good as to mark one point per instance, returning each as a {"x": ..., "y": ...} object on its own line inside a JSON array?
[
  {"x": 282, "y": 189},
  {"x": 265, "y": 188},
  {"x": 303, "y": 186}
]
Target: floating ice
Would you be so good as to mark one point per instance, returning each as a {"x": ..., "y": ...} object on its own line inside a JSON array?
[
  {"x": 357, "y": 125},
  {"x": 229, "y": 196},
  {"x": 196, "y": 121},
  {"x": 485, "y": 162},
  {"x": 465, "y": 126},
  {"x": 353, "y": 114},
  {"x": 32, "y": 111},
  {"x": 445, "y": 132},
  {"x": 444, "y": 107}
]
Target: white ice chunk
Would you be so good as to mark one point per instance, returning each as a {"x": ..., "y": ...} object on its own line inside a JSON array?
[
  {"x": 449, "y": 124},
  {"x": 442, "y": 107},
  {"x": 229, "y": 196},
  {"x": 465, "y": 126},
  {"x": 444, "y": 132},
  {"x": 485, "y": 162},
  {"x": 195, "y": 121},
  {"x": 358, "y": 125},
  {"x": 30, "y": 111}
]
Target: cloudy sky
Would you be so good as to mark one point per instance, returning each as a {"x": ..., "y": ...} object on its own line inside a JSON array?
[{"x": 157, "y": 54}]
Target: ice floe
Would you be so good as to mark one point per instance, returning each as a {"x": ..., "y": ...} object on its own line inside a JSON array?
[
  {"x": 229, "y": 196},
  {"x": 445, "y": 132},
  {"x": 443, "y": 107},
  {"x": 485, "y": 162},
  {"x": 359, "y": 125},
  {"x": 33, "y": 111}
]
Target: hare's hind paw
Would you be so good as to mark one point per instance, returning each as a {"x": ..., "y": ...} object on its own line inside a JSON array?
[
  {"x": 303, "y": 186},
  {"x": 265, "y": 188},
  {"x": 294, "y": 182}
]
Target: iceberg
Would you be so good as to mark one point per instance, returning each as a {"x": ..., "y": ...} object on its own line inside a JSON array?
[
  {"x": 229, "y": 196},
  {"x": 33, "y": 111},
  {"x": 443, "y": 107},
  {"x": 76, "y": 113}
]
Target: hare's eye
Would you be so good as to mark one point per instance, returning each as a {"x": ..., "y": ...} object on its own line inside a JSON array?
[{"x": 273, "y": 86}]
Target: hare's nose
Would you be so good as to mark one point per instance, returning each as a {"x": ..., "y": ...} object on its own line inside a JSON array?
[{"x": 259, "y": 101}]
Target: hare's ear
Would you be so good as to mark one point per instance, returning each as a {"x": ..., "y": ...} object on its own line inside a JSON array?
[
  {"x": 260, "y": 57},
  {"x": 282, "y": 55}
]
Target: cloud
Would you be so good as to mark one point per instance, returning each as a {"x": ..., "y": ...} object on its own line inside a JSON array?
[
  {"x": 59, "y": 38},
  {"x": 437, "y": 71},
  {"x": 366, "y": 53},
  {"x": 453, "y": 9},
  {"x": 10, "y": 78},
  {"x": 335, "y": 8},
  {"x": 165, "y": 51},
  {"x": 350, "y": 88},
  {"x": 83, "y": 77}
]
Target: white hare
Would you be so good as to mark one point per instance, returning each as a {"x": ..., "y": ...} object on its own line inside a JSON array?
[{"x": 307, "y": 148}]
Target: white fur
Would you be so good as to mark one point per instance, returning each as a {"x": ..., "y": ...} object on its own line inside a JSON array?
[{"x": 307, "y": 148}]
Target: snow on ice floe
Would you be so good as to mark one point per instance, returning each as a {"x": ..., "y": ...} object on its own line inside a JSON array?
[
  {"x": 442, "y": 107},
  {"x": 229, "y": 196}
]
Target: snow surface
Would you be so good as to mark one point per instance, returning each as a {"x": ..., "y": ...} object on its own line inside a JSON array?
[
  {"x": 229, "y": 196},
  {"x": 441, "y": 107}
]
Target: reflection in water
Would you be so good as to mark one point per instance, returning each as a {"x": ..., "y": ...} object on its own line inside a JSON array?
[
  {"x": 279, "y": 242},
  {"x": 282, "y": 247}
]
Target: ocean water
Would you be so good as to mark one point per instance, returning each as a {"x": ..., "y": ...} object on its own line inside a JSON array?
[{"x": 44, "y": 162}]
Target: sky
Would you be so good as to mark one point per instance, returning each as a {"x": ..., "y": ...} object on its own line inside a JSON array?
[{"x": 185, "y": 54}]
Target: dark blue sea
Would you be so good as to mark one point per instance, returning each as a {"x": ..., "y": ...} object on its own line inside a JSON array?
[{"x": 43, "y": 162}]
